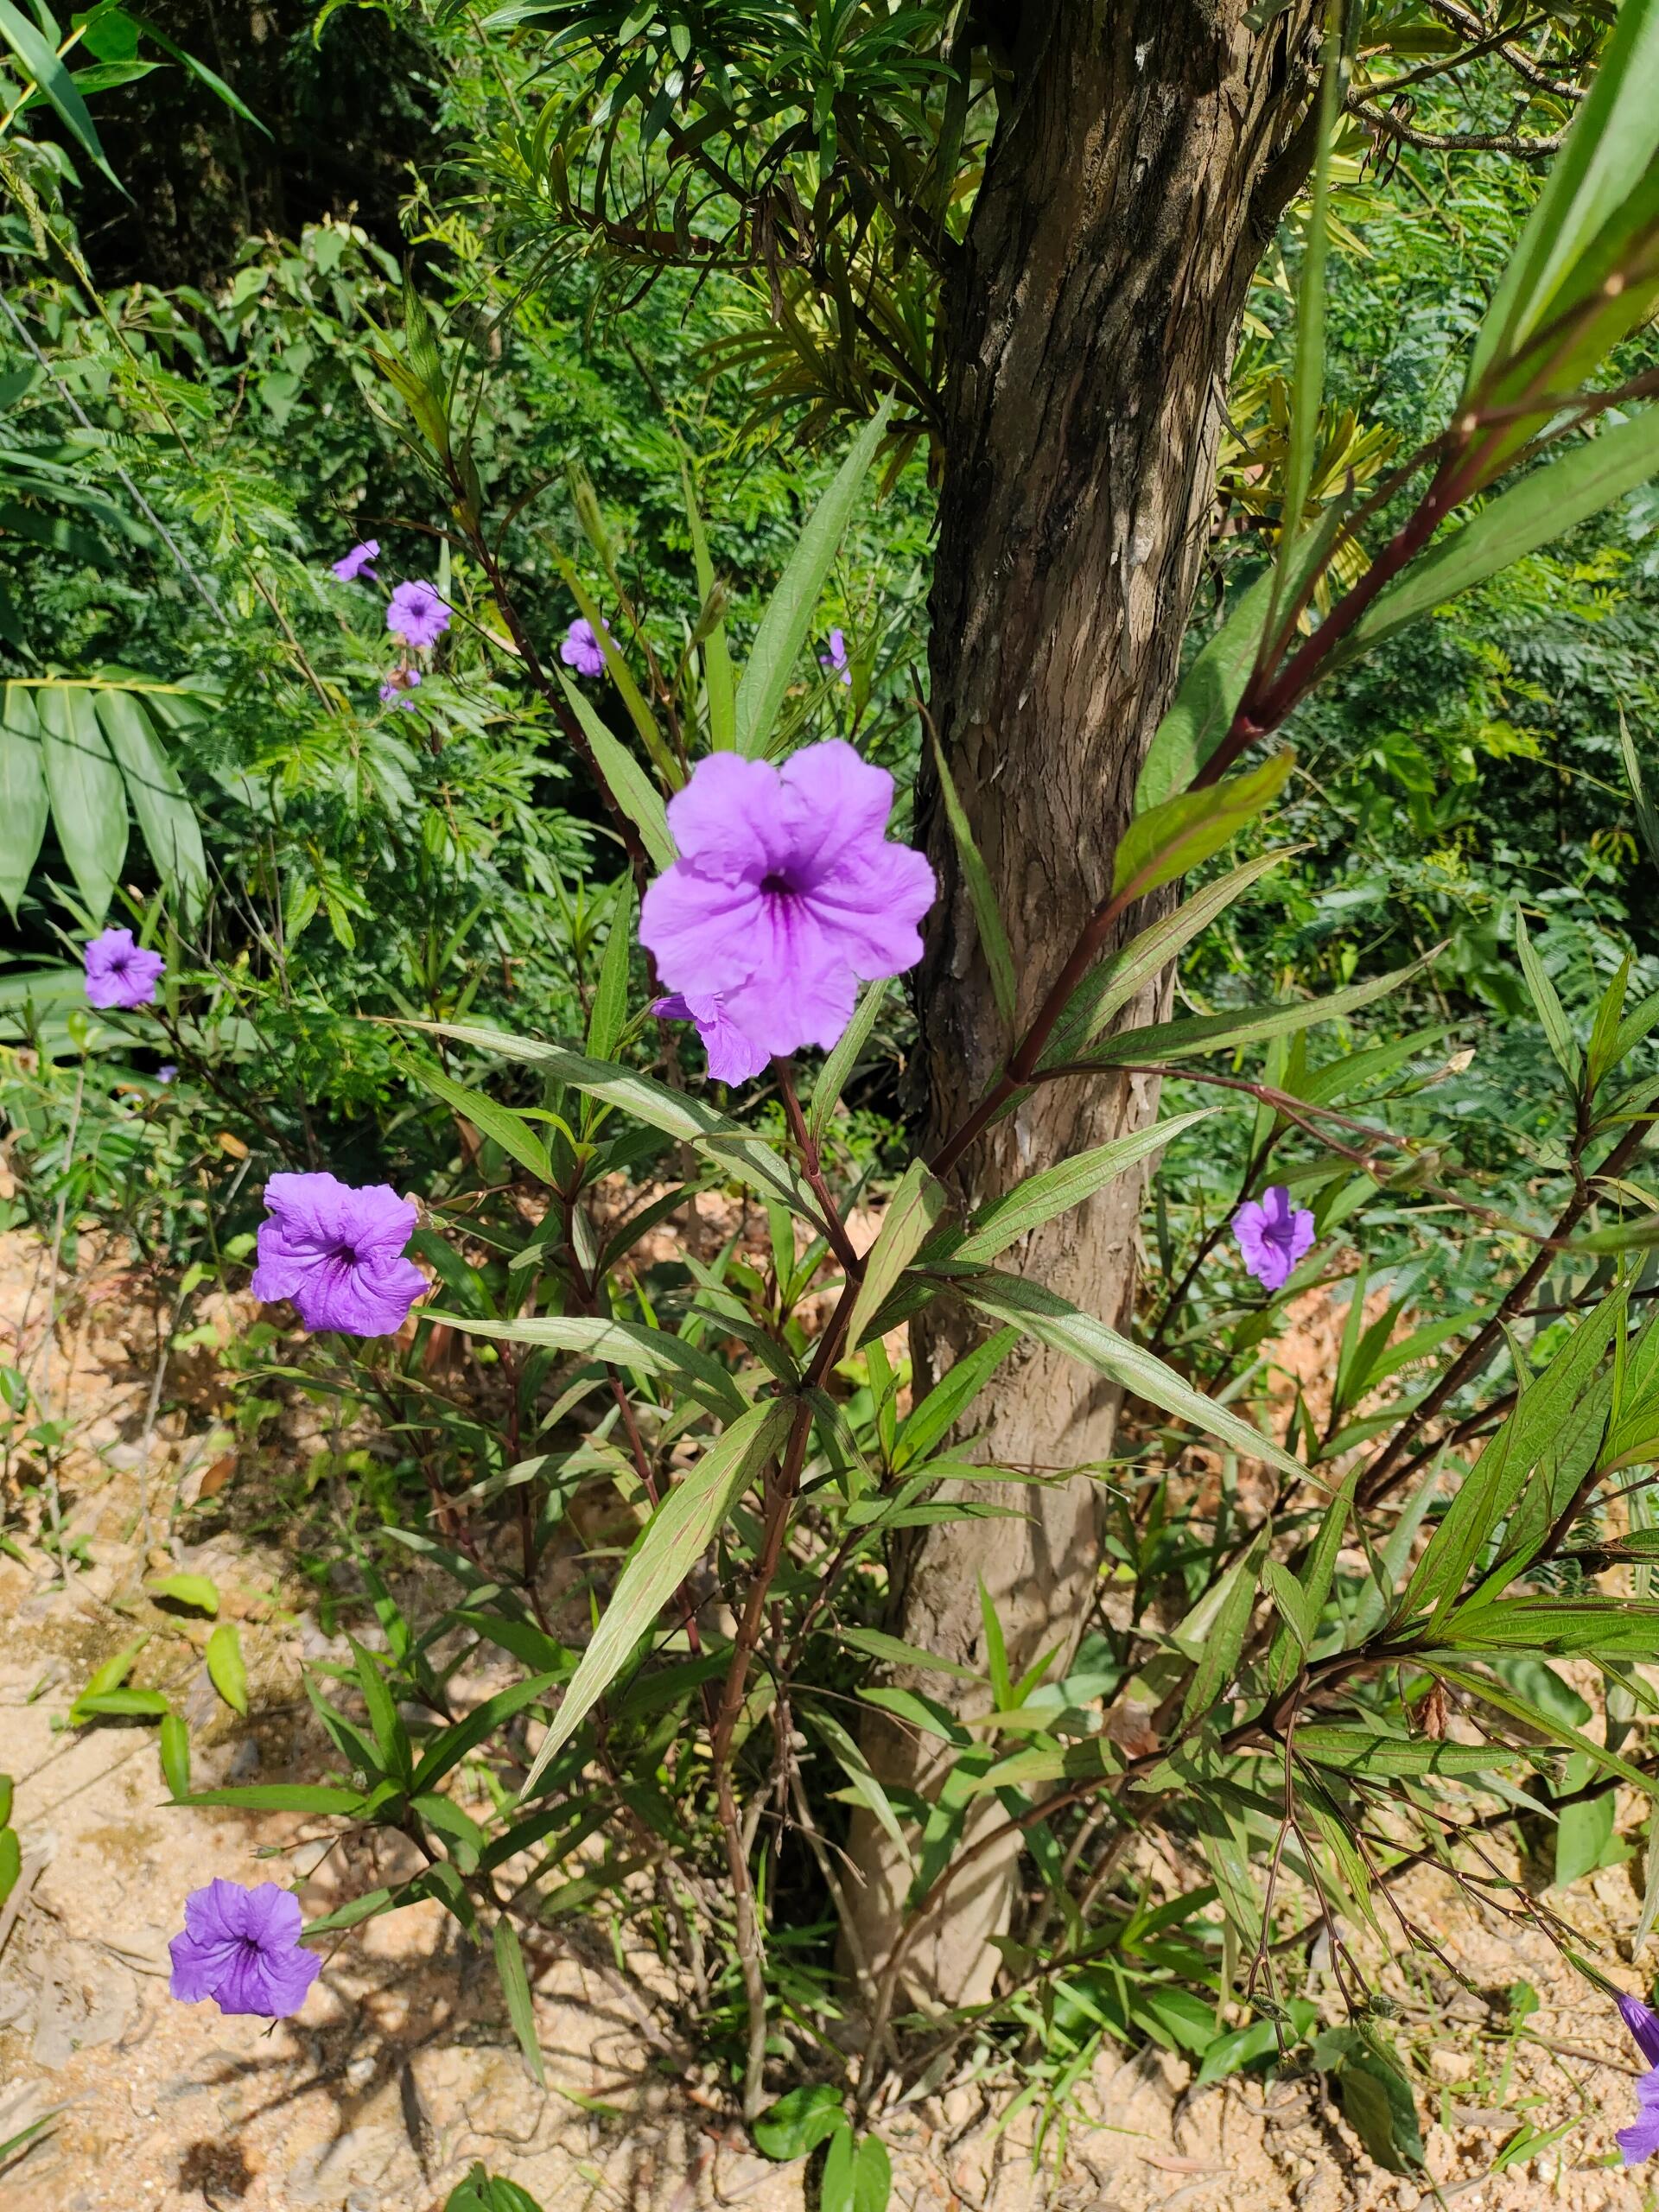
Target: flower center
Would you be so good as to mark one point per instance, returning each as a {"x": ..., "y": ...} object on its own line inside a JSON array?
[
  {"x": 778, "y": 885},
  {"x": 347, "y": 1254}
]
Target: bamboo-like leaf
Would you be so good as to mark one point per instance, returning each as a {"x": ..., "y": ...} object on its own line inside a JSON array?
[
  {"x": 23, "y": 803},
  {"x": 1181, "y": 833},
  {"x": 89, "y": 802},
  {"x": 920, "y": 1201},
  {"x": 1360, "y": 1750},
  {"x": 620, "y": 1343},
  {"x": 838, "y": 1067},
  {"x": 784, "y": 625},
  {"x": 174, "y": 1746},
  {"x": 951, "y": 1395},
  {"x": 630, "y": 787},
  {"x": 1548, "y": 1005},
  {"x": 1215, "y": 1032},
  {"x": 165, "y": 815},
  {"x": 226, "y": 1667},
  {"x": 617, "y": 669},
  {"x": 674, "y": 1538},
  {"x": 610, "y": 1015},
  {"x": 48, "y": 71},
  {"x": 509, "y": 1130},
  {"x": 1301, "y": 1614},
  {"x": 1222, "y": 1646},
  {"x": 981, "y": 894},
  {"x": 1307, "y": 375},
  {"x": 515, "y": 1988},
  {"x": 1004, "y": 1221},
  {"x": 1055, "y": 1321},
  {"x": 716, "y": 655}
]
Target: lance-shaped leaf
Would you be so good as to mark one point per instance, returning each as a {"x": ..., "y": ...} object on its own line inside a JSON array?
[
  {"x": 919, "y": 1201},
  {"x": 1055, "y": 1190},
  {"x": 509, "y": 1130},
  {"x": 629, "y": 784},
  {"x": 23, "y": 803},
  {"x": 1056, "y": 1322},
  {"x": 834, "y": 1074},
  {"x": 1549, "y": 1009},
  {"x": 716, "y": 656},
  {"x": 89, "y": 801},
  {"x": 784, "y": 627},
  {"x": 674, "y": 1538},
  {"x": 1252, "y": 1024},
  {"x": 620, "y": 1343},
  {"x": 43, "y": 63},
  {"x": 981, "y": 893},
  {"x": 1360, "y": 1750},
  {"x": 165, "y": 815},
  {"x": 1170, "y": 839}
]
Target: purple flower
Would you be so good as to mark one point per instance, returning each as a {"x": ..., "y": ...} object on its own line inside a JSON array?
[
  {"x": 338, "y": 1253},
  {"x": 241, "y": 1947},
  {"x": 1273, "y": 1236},
  {"x": 356, "y": 562},
  {"x": 837, "y": 656},
  {"x": 166, "y": 1072},
  {"x": 582, "y": 649},
  {"x": 401, "y": 680},
  {"x": 733, "y": 1057},
  {"x": 417, "y": 615},
  {"x": 786, "y": 894},
  {"x": 121, "y": 973},
  {"x": 1641, "y": 2139}
]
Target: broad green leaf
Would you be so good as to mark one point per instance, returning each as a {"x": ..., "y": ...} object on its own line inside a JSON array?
[
  {"x": 174, "y": 1745},
  {"x": 1217, "y": 1033},
  {"x": 485, "y": 2192},
  {"x": 630, "y": 787},
  {"x": 784, "y": 627},
  {"x": 1054, "y": 1191},
  {"x": 199, "y": 1591},
  {"x": 226, "y": 1667},
  {"x": 43, "y": 65},
  {"x": 89, "y": 802},
  {"x": 677, "y": 1113},
  {"x": 1055, "y": 1321},
  {"x": 872, "y": 2176},
  {"x": 165, "y": 815},
  {"x": 503, "y": 1126},
  {"x": 515, "y": 1988},
  {"x": 1585, "y": 1838},
  {"x": 838, "y": 1067},
  {"x": 1548, "y": 1005},
  {"x": 23, "y": 803},
  {"x": 1546, "y": 503},
  {"x": 610, "y": 1015},
  {"x": 1169, "y": 839},
  {"x": 620, "y": 1343},
  {"x": 1117, "y": 981},
  {"x": 674, "y": 1538},
  {"x": 918, "y": 1204},
  {"x": 993, "y": 937},
  {"x": 1240, "y": 2047},
  {"x": 798, "y": 2121}
]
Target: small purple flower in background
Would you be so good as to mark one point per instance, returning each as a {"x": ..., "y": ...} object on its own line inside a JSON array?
[
  {"x": 401, "y": 680},
  {"x": 1273, "y": 1235},
  {"x": 417, "y": 615},
  {"x": 582, "y": 649},
  {"x": 786, "y": 895},
  {"x": 241, "y": 1947},
  {"x": 837, "y": 656},
  {"x": 338, "y": 1253},
  {"x": 733, "y": 1057},
  {"x": 166, "y": 1072},
  {"x": 120, "y": 973},
  {"x": 1641, "y": 2139},
  {"x": 357, "y": 562}
]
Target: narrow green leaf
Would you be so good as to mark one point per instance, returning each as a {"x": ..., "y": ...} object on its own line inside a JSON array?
[
  {"x": 199, "y": 1591},
  {"x": 1181, "y": 833},
  {"x": 48, "y": 71},
  {"x": 1220, "y": 1654},
  {"x": 1285, "y": 1653},
  {"x": 1547, "y": 1005},
  {"x": 784, "y": 627},
  {"x": 226, "y": 1667},
  {"x": 451, "y": 1745},
  {"x": 1359, "y": 1750},
  {"x": 1057, "y": 1189},
  {"x": 676, "y": 1536},
  {"x": 11, "y": 1865},
  {"x": 515, "y": 1988},
  {"x": 1055, "y": 1321},
  {"x": 630, "y": 787},
  {"x": 130, "y": 1704},
  {"x": 89, "y": 802},
  {"x": 165, "y": 815},
  {"x": 174, "y": 1745},
  {"x": 503, "y": 1126},
  {"x": 620, "y": 1343},
  {"x": 1215, "y": 1032},
  {"x": 616, "y": 668},
  {"x": 920, "y": 1201},
  {"x": 877, "y": 1644},
  {"x": 610, "y": 1014},
  {"x": 23, "y": 803},
  {"x": 5, "y": 1801},
  {"x": 950, "y": 1396},
  {"x": 834, "y": 1074},
  {"x": 114, "y": 1671},
  {"x": 716, "y": 656},
  {"x": 282, "y": 1798},
  {"x": 988, "y": 917}
]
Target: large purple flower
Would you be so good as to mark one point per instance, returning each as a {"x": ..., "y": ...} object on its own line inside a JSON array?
[
  {"x": 358, "y": 561},
  {"x": 582, "y": 649},
  {"x": 787, "y": 893},
  {"x": 1273, "y": 1236},
  {"x": 120, "y": 973},
  {"x": 338, "y": 1253},
  {"x": 1641, "y": 2139},
  {"x": 241, "y": 1947},
  {"x": 733, "y": 1057},
  {"x": 417, "y": 615}
]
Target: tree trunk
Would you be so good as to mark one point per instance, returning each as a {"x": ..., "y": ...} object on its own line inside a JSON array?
[{"x": 1144, "y": 152}]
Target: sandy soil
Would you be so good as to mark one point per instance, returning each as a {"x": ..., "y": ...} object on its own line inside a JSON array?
[{"x": 401, "y": 2069}]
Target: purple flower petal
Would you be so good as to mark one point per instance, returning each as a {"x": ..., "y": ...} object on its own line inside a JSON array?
[
  {"x": 356, "y": 562},
  {"x": 1641, "y": 2139},
  {"x": 338, "y": 1253},
  {"x": 1644, "y": 2024},
  {"x": 1273, "y": 1236},
  {"x": 241, "y": 1947},
  {"x": 582, "y": 649},
  {"x": 787, "y": 893},
  {"x": 120, "y": 973},
  {"x": 417, "y": 615},
  {"x": 734, "y": 1056}
]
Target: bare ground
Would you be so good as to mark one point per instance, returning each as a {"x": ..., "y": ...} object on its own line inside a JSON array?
[{"x": 401, "y": 2068}]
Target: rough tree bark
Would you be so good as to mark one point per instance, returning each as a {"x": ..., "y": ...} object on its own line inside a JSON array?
[{"x": 1146, "y": 150}]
